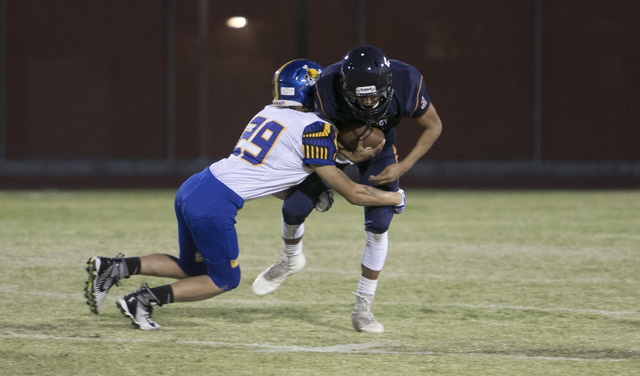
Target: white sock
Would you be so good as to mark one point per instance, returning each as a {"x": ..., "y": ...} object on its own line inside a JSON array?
[
  {"x": 292, "y": 249},
  {"x": 367, "y": 286}
]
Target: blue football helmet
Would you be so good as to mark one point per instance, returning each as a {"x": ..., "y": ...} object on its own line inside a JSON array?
[
  {"x": 366, "y": 72},
  {"x": 292, "y": 83}
]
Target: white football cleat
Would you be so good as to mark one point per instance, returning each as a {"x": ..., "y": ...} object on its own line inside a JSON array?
[
  {"x": 137, "y": 307},
  {"x": 362, "y": 318},
  {"x": 272, "y": 277},
  {"x": 104, "y": 273}
]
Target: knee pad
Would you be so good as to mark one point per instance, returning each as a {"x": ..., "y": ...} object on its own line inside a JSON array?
[
  {"x": 292, "y": 231},
  {"x": 375, "y": 250}
]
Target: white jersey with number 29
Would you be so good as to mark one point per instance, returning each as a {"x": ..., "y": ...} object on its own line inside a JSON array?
[{"x": 275, "y": 151}]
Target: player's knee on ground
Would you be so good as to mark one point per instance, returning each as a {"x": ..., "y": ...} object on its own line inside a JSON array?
[{"x": 225, "y": 275}]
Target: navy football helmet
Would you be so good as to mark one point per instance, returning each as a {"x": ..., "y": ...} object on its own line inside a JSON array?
[
  {"x": 366, "y": 72},
  {"x": 292, "y": 83}
]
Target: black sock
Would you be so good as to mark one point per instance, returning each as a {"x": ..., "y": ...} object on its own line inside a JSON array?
[
  {"x": 163, "y": 293},
  {"x": 133, "y": 265}
]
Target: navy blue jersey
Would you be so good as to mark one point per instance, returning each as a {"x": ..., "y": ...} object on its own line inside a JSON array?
[{"x": 410, "y": 98}]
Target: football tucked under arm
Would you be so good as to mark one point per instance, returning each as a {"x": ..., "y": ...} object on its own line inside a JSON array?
[{"x": 351, "y": 132}]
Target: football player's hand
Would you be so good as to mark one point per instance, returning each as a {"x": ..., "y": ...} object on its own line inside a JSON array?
[
  {"x": 325, "y": 201},
  {"x": 390, "y": 174},
  {"x": 361, "y": 153},
  {"x": 398, "y": 209}
]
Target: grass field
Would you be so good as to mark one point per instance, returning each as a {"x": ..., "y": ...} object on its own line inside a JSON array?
[{"x": 476, "y": 283}]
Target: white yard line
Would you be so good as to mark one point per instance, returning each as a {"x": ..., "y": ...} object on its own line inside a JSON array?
[
  {"x": 349, "y": 348},
  {"x": 531, "y": 308}
]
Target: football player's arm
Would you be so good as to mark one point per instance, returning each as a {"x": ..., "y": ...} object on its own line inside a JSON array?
[
  {"x": 356, "y": 194},
  {"x": 360, "y": 154},
  {"x": 432, "y": 127}
]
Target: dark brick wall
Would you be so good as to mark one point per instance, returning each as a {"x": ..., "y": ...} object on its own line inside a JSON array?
[{"x": 90, "y": 79}]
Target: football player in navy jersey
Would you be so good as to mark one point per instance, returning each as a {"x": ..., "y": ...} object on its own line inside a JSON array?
[
  {"x": 280, "y": 146},
  {"x": 368, "y": 86}
]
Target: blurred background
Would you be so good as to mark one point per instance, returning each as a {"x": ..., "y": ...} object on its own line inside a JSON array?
[{"x": 120, "y": 93}]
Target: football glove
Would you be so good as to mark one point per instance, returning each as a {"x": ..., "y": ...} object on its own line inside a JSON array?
[
  {"x": 398, "y": 209},
  {"x": 325, "y": 200}
]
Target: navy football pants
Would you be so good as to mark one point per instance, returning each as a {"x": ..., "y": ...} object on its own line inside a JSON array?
[{"x": 301, "y": 199}]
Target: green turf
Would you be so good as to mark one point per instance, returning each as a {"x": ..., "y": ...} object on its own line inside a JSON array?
[{"x": 476, "y": 283}]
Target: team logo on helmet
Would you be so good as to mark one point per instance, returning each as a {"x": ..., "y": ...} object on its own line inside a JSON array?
[
  {"x": 366, "y": 90},
  {"x": 292, "y": 83}
]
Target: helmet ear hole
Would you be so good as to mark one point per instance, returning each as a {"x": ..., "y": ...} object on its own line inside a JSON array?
[{"x": 292, "y": 83}]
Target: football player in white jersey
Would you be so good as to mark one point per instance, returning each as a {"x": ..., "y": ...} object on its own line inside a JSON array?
[{"x": 279, "y": 148}]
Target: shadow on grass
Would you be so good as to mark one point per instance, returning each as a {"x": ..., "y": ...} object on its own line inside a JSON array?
[{"x": 270, "y": 315}]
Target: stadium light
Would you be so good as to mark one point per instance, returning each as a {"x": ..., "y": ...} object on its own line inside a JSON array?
[{"x": 237, "y": 22}]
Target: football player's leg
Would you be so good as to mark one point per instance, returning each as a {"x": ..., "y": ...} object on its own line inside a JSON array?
[
  {"x": 218, "y": 245},
  {"x": 377, "y": 221},
  {"x": 298, "y": 204},
  {"x": 211, "y": 222},
  {"x": 165, "y": 265},
  {"x": 373, "y": 259},
  {"x": 303, "y": 198},
  {"x": 105, "y": 272},
  {"x": 208, "y": 253}
]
